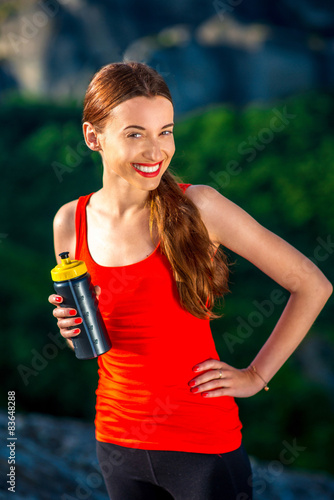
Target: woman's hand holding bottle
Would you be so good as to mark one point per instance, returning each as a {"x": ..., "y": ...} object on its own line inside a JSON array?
[{"x": 67, "y": 321}]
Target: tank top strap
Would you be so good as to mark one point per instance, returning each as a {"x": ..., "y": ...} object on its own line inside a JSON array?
[
  {"x": 81, "y": 249},
  {"x": 81, "y": 225},
  {"x": 184, "y": 186}
]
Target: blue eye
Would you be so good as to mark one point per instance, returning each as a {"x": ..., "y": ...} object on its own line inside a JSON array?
[{"x": 136, "y": 135}]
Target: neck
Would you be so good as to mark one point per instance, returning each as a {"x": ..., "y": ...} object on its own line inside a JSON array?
[{"x": 120, "y": 199}]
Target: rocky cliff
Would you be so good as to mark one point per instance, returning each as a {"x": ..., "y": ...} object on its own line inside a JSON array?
[
  {"x": 55, "y": 460},
  {"x": 208, "y": 51}
]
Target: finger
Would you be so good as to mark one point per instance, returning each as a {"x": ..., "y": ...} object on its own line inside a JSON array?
[
  {"x": 55, "y": 299},
  {"x": 209, "y": 364},
  {"x": 210, "y": 385},
  {"x": 98, "y": 290},
  {"x": 66, "y": 323},
  {"x": 217, "y": 373},
  {"x": 207, "y": 376},
  {"x": 217, "y": 393},
  {"x": 64, "y": 312},
  {"x": 69, "y": 333}
]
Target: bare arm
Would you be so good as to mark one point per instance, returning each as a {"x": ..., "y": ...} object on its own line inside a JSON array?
[
  {"x": 64, "y": 230},
  {"x": 64, "y": 240},
  {"x": 309, "y": 288}
]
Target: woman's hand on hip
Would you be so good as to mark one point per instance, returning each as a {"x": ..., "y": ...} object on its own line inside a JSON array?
[{"x": 215, "y": 378}]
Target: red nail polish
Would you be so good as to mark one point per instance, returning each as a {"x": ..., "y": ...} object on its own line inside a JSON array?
[
  {"x": 192, "y": 383},
  {"x": 196, "y": 369},
  {"x": 58, "y": 299},
  {"x": 76, "y": 330},
  {"x": 72, "y": 312},
  {"x": 196, "y": 389},
  {"x": 77, "y": 321},
  {"x": 205, "y": 394}
]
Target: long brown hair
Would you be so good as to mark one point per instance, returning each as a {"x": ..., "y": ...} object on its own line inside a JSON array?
[{"x": 200, "y": 270}]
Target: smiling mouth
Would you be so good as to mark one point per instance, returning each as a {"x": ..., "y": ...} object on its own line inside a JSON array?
[{"x": 147, "y": 168}]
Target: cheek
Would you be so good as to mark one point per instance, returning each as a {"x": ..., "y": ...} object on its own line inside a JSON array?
[
  {"x": 122, "y": 151},
  {"x": 171, "y": 148}
]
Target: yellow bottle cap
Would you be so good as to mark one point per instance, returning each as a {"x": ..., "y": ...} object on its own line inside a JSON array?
[{"x": 68, "y": 269}]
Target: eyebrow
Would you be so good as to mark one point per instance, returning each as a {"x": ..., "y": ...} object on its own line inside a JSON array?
[{"x": 143, "y": 128}]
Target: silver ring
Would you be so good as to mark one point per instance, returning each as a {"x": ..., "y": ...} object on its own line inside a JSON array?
[{"x": 220, "y": 374}]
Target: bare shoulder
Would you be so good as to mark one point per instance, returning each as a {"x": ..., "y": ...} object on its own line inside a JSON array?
[
  {"x": 226, "y": 222},
  {"x": 64, "y": 229},
  {"x": 202, "y": 195},
  {"x": 234, "y": 228},
  {"x": 205, "y": 198},
  {"x": 65, "y": 217}
]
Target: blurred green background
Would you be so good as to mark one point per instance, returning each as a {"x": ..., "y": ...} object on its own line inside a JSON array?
[{"x": 282, "y": 174}]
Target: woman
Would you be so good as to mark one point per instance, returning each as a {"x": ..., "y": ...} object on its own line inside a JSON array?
[{"x": 167, "y": 424}]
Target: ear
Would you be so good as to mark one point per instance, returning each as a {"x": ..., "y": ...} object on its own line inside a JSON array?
[{"x": 91, "y": 136}]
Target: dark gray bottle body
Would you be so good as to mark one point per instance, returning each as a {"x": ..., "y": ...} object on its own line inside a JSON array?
[{"x": 79, "y": 294}]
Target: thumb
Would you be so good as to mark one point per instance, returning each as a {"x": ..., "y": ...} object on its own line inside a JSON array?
[{"x": 97, "y": 291}]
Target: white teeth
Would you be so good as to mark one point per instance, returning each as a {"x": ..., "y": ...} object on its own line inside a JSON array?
[{"x": 146, "y": 169}]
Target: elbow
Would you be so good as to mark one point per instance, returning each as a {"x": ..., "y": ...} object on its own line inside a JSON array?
[
  {"x": 323, "y": 287},
  {"x": 328, "y": 288},
  {"x": 316, "y": 285}
]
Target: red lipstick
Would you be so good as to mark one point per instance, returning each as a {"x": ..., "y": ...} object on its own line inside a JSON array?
[{"x": 147, "y": 174}]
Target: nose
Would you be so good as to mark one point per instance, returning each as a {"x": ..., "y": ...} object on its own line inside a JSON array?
[{"x": 153, "y": 151}]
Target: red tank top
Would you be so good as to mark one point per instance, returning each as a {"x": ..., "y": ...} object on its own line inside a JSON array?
[{"x": 143, "y": 398}]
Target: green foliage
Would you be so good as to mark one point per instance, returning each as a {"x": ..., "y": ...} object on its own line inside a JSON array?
[
  {"x": 284, "y": 178},
  {"x": 44, "y": 165}
]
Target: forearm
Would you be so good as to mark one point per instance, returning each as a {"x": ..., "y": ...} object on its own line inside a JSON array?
[
  {"x": 299, "y": 314},
  {"x": 215, "y": 378}
]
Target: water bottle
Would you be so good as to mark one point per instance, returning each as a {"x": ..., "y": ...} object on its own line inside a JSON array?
[{"x": 72, "y": 281}]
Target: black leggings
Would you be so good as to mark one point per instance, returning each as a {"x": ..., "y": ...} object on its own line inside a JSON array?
[{"x": 134, "y": 474}]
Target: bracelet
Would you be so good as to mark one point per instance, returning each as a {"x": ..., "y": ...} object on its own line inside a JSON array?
[{"x": 266, "y": 388}]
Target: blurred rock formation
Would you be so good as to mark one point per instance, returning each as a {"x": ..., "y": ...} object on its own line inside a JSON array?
[
  {"x": 56, "y": 460},
  {"x": 209, "y": 52}
]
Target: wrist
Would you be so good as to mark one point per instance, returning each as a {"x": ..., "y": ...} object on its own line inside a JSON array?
[
  {"x": 252, "y": 380},
  {"x": 253, "y": 370}
]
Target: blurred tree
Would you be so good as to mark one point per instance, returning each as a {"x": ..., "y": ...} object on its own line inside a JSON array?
[{"x": 274, "y": 161}]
